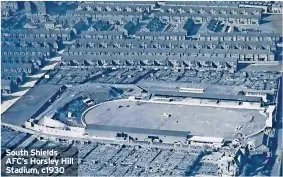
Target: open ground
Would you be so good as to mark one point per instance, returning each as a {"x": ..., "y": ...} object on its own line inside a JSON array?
[{"x": 194, "y": 119}]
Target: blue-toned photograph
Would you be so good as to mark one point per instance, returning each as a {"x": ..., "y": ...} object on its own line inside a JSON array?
[{"x": 141, "y": 88}]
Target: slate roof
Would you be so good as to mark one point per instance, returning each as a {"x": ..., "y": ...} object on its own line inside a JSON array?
[
  {"x": 256, "y": 43},
  {"x": 214, "y": 7},
  {"x": 103, "y": 33},
  {"x": 29, "y": 39},
  {"x": 161, "y": 34},
  {"x": 109, "y": 58},
  {"x": 70, "y": 19},
  {"x": 103, "y": 13},
  {"x": 174, "y": 43},
  {"x": 16, "y": 66},
  {"x": 123, "y": 3},
  {"x": 170, "y": 50},
  {"x": 11, "y": 58},
  {"x": 5, "y": 75},
  {"x": 245, "y": 51},
  {"x": 115, "y": 4},
  {"x": 20, "y": 49},
  {"x": 206, "y": 16},
  {"x": 214, "y": 59},
  {"x": 238, "y": 34},
  {"x": 142, "y": 58},
  {"x": 35, "y": 31},
  {"x": 203, "y": 3},
  {"x": 5, "y": 83}
]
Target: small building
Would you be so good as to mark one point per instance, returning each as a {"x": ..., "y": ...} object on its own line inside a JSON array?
[
  {"x": 79, "y": 27},
  {"x": 212, "y": 142},
  {"x": 161, "y": 35},
  {"x": 102, "y": 34},
  {"x": 5, "y": 12},
  {"x": 263, "y": 94},
  {"x": 262, "y": 144},
  {"x": 7, "y": 86},
  {"x": 277, "y": 8},
  {"x": 17, "y": 77},
  {"x": 232, "y": 162},
  {"x": 49, "y": 25},
  {"x": 27, "y": 68},
  {"x": 40, "y": 7},
  {"x": 11, "y": 5},
  {"x": 27, "y": 7}
]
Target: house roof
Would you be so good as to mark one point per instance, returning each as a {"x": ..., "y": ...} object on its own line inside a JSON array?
[
  {"x": 20, "y": 49},
  {"x": 116, "y": 4},
  {"x": 9, "y": 58},
  {"x": 161, "y": 34},
  {"x": 6, "y": 83},
  {"x": 17, "y": 65},
  {"x": 35, "y": 31},
  {"x": 206, "y": 16},
  {"x": 150, "y": 43},
  {"x": 138, "y": 50},
  {"x": 122, "y": 3},
  {"x": 245, "y": 51},
  {"x": 214, "y": 59},
  {"x": 205, "y": 3},
  {"x": 256, "y": 43},
  {"x": 105, "y": 13},
  {"x": 6, "y": 74},
  {"x": 238, "y": 34},
  {"x": 29, "y": 39},
  {"x": 103, "y": 33},
  {"x": 171, "y": 50},
  {"x": 109, "y": 58}
]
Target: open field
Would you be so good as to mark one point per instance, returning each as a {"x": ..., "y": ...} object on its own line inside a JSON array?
[{"x": 195, "y": 119}]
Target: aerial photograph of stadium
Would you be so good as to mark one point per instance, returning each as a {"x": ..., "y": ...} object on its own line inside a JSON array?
[{"x": 141, "y": 88}]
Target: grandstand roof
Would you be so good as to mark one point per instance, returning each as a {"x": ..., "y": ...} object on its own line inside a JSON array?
[{"x": 205, "y": 95}]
